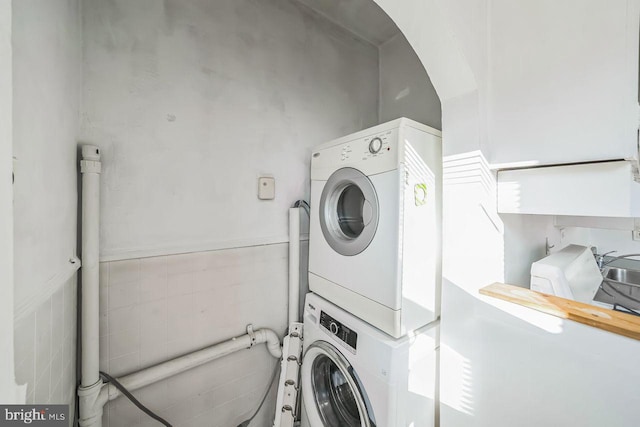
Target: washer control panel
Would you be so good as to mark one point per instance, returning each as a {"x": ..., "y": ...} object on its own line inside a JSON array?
[{"x": 340, "y": 331}]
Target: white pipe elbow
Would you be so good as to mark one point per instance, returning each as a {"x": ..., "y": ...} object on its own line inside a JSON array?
[{"x": 272, "y": 342}]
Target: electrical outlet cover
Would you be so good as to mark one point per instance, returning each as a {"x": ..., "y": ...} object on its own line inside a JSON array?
[{"x": 266, "y": 188}]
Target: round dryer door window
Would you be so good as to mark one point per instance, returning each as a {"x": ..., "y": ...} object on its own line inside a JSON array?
[
  {"x": 331, "y": 392},
  {"x": 348, "y": 211}
]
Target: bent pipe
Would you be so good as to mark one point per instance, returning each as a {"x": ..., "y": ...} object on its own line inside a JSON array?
[
  {"x": 180, "y": 364},
  {"x": 93, "y": 399}
]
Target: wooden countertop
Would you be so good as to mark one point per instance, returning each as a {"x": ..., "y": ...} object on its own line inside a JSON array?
[{"x": 598, "y": 317}]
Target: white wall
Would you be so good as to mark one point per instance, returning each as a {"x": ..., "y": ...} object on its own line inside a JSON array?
[
  {"x": 500, "y": 365},
  {"x": 524, "y": 243},
  {"x": 8, "y": 392},
  {"x": 154, "y": 309},
  {"x": 46, "y": 83},
  {"x": 604, "y": 240},
  {"x": 45, "y": 348},
  {"x": 405, "y": 87},
  {"x": 192, "y": 102},
  {"x": 46, "y": 46}
]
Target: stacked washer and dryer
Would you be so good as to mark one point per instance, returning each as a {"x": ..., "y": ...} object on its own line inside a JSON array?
[{"x": 371, "y": 320}]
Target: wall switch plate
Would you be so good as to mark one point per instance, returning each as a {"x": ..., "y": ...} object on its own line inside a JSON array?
[{"x": 266, "y": 188}]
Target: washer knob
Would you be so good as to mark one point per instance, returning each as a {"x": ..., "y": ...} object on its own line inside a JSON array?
[
  {"x": 375, "y": 145},
  {"x": 333, "y": 327}
]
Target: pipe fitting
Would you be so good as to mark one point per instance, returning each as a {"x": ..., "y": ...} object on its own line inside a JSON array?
[
  {"x": 90, "y": 162},
  {"x": 271, "y": 340},
  {"x": 90, "y": 407},
  {"x": 90, "y": 152},
  {"x": 252, "y": 335}
]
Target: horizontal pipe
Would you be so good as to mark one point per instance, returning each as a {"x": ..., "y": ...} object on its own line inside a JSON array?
[{"x": 180, "y": 364}]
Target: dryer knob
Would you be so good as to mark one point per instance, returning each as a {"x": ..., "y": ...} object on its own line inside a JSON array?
[
  {"x": 375, "y": 145},
  {"x": 333, "y": 327}
]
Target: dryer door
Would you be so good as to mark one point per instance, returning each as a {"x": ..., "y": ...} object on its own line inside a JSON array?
[
  {"x": 331, "y": 392},
  {"x": 348, "y": 211}
]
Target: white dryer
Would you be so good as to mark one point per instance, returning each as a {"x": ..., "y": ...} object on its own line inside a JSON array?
[
  {"x": 374, "y": 244},
  {"x": 353, "y": 375}
]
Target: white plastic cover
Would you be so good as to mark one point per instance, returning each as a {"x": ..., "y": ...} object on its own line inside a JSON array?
[{"x": 570, "y": 273}]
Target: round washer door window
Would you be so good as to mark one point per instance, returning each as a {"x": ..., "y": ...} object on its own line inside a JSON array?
[
  {"x": 331, "y": 393},
  {"x": 348, "y": 211}
]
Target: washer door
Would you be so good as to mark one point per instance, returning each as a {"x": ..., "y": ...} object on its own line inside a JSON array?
[
  {"x": 348, "y": 211},
  {"x": 331, "y": 392}
]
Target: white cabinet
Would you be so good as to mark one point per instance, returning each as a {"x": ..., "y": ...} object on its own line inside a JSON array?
[
  {"x": 562, "y": 81},
  {"x": 605, "y": 189}
]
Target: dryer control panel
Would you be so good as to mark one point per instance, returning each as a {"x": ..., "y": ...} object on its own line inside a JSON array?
[
  {"x": 340, "y": 331},
  {"x": 368, "y": 147},
  {"x": 375, "y": 153}
]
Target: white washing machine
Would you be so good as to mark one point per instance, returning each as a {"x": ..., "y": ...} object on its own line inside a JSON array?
[
  {"x": 374, "y": 244},
  {"x": 353, "y": 375}
]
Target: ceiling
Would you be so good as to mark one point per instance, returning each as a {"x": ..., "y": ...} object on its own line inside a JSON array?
[{"x": 362, "y": 17}]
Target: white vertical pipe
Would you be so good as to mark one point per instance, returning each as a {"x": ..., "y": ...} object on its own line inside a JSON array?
[
  {"x": 90, "y": 167},
  {"x": 90, "y": 382},
  {"x": 294, "y": 264}
]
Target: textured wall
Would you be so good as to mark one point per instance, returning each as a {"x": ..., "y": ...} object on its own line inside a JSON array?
[
  {"x": 192, "y": 101},
  {"x": 45, "y": 348},
  {"x": 154, "y": 309},
  {"x": 405, "y": 87},
  {"x": 46, "y": 86}
]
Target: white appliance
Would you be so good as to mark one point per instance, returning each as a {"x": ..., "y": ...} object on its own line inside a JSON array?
[
  {"x": 570, "y": 273},
  {"x": 353, "y": 375},
  {"x": 374, "y": 245}
]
